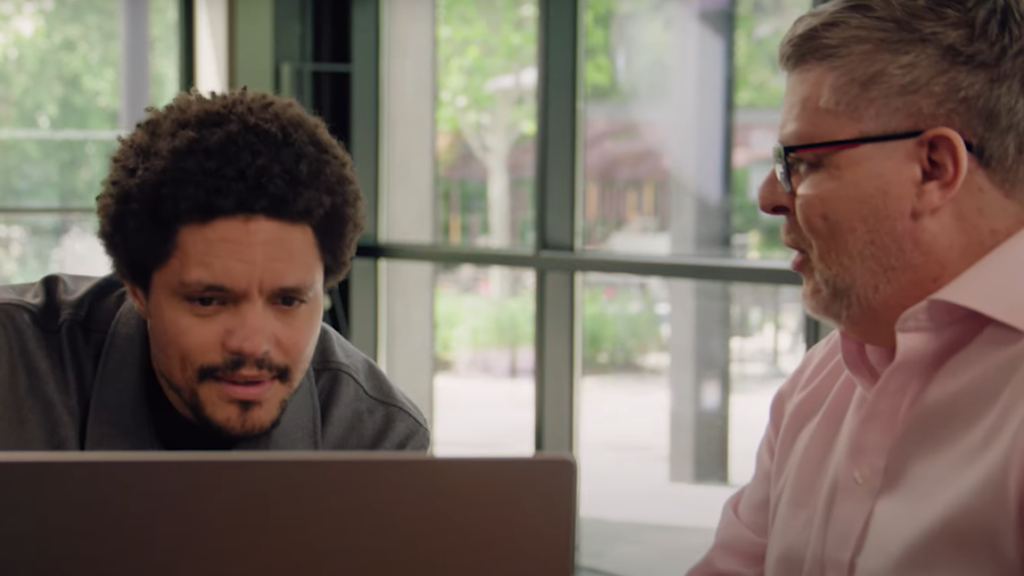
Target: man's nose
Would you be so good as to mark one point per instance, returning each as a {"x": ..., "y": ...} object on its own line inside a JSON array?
[
  {"x": 250, "y": 332},
  {"x": 772, "y": 198}
]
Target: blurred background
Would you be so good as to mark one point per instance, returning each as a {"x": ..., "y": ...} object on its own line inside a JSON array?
[{"x": 564, "y": 250}]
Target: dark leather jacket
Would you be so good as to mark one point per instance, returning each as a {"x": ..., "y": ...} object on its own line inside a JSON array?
[{"x": 74, "y": 360}]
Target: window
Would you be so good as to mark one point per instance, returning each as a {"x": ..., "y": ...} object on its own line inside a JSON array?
[
  {"x": 677, "y": 378},
  {"x": 486, "y": 122},
  {"x": 458, "y": 95},
  {"x": 567, "y": 254},
  {"x": 76, "y": 74},
  {"x": 681, "y": 109},
  {"x": 484, "y": 402}
]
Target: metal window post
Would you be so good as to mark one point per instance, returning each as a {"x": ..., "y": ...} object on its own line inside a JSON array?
[
  {"x": 364, "y": 146},
  {"x": 557, "y": 143},
  {"x": 134, "y": 63},
  {"x": 187, "y": 40}
]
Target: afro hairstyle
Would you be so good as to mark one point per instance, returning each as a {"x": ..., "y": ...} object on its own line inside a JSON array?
[{"x": 241, "y": 153}]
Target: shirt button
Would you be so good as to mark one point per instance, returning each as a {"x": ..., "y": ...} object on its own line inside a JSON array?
[{"x": 859, "y": 476}]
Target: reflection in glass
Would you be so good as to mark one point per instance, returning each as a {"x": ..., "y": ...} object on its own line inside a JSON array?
[{"x": 663, "y": 172}]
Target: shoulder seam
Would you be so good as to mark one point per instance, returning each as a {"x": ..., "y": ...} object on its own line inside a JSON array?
[{"x": 343, "y": 368}]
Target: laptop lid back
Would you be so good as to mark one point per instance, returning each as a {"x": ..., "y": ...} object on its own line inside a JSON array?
[{"x": 285, "y": 513}]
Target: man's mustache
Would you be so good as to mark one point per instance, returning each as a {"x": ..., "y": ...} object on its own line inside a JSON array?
[{"x": 263, "y": 364}]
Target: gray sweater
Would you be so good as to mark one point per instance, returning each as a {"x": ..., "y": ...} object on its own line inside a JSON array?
[{"x": 74, "y": 366}]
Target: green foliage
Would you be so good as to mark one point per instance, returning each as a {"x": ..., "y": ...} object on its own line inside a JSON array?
[
  {"x": 477, "y": 42},
  {"x": 619, "y": 328},
  {"x": 763, "y": 231},
  {"x": 480, "y": 40},
  {"x": 759, "y": 27},
  {"x": 164, "y": 51},
  {"x": 599, "y": 80},
  {"x": 619, "y": 325},
  {"x": 470, "y": 322},
  {"x": 59, "y": 70},
  {"x": 758, "y": 83}
]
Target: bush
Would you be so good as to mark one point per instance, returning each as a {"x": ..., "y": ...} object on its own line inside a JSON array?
[
  {"x": 619, "y": 325},
  {"x": 466, "y": 321},
  {"x": 619, "y": 328}
]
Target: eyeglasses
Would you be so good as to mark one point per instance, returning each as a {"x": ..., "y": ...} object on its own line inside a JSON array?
[{"x": 782, "y": 153}]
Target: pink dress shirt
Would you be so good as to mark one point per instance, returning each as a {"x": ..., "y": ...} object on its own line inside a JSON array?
[{"x": 900, "y": 464}]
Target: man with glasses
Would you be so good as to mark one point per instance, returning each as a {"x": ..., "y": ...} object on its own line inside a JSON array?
[{"x": 897, "y": 447}]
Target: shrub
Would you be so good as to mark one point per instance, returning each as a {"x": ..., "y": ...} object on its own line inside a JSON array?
[{"x": 619, "y": 327}]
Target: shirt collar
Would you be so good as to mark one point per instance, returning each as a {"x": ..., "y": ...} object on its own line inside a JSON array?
[
  {"x": 993, "y": 286},
  {"x": 864, "y": 362},
  {"x": 120, "y": 417}
]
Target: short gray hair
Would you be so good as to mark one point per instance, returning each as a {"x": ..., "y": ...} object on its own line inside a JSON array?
[{"x": 955, "y": 63}]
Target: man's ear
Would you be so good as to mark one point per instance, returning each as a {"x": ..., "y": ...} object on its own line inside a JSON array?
[
  {"x": 943, "y": 161},
  {"x": 138, "y": 298}
]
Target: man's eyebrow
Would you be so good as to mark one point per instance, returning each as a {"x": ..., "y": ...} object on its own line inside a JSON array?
[
  {"x": 298, "y": 290},
  {"x": 204, "y": 287},
  {"x": 211, "y": 288}
]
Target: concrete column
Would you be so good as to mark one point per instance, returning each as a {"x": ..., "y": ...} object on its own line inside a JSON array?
[
  {"x": 407, "y": 197},
  {"x": 134, "y": 66},
  {"x": 211, "y": 50},
  {"x": 699, "y": 104}
]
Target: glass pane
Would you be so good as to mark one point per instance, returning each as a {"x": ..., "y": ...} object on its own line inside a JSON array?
[
  {"x": 465, "y": 353},
  {"x": 662, "y": 173},
  {"x": 62, "y": 86},
  {"x": 56, "y": 168},
  {"x": 164, "y": 50},
  {"x": 481, "y": 59},
  {"x": 678, "y": 377},
  {"x": 32, "y": 246}
]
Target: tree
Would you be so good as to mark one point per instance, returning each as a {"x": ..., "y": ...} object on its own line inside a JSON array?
[
  {"x": 487, "y": 57},
  {"x": 487, "y": 78},
  {"x": 759, "y": 28},
  {"x": 759, "y": 84},
  {"x": 59, "y": 77}
]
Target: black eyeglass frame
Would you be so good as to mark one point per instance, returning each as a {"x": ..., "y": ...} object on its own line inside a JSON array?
[{"x": 781, "y": 153}]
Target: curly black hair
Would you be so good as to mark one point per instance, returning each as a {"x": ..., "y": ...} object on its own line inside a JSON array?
[{"x": 241, "y": 153}]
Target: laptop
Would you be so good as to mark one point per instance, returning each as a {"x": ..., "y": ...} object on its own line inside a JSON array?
[{"x": 284, "y": 513}]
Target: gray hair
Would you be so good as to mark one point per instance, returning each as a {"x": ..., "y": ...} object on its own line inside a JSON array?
[{"x": 955, "y": 63}]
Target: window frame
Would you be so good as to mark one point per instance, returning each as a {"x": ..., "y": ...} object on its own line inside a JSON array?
[
  {"x": 556, "y": 257},
  {"x": 131, "y": 48}
]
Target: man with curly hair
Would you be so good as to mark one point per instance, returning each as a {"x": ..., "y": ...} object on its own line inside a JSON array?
[{"x": 225, "y": 218}]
